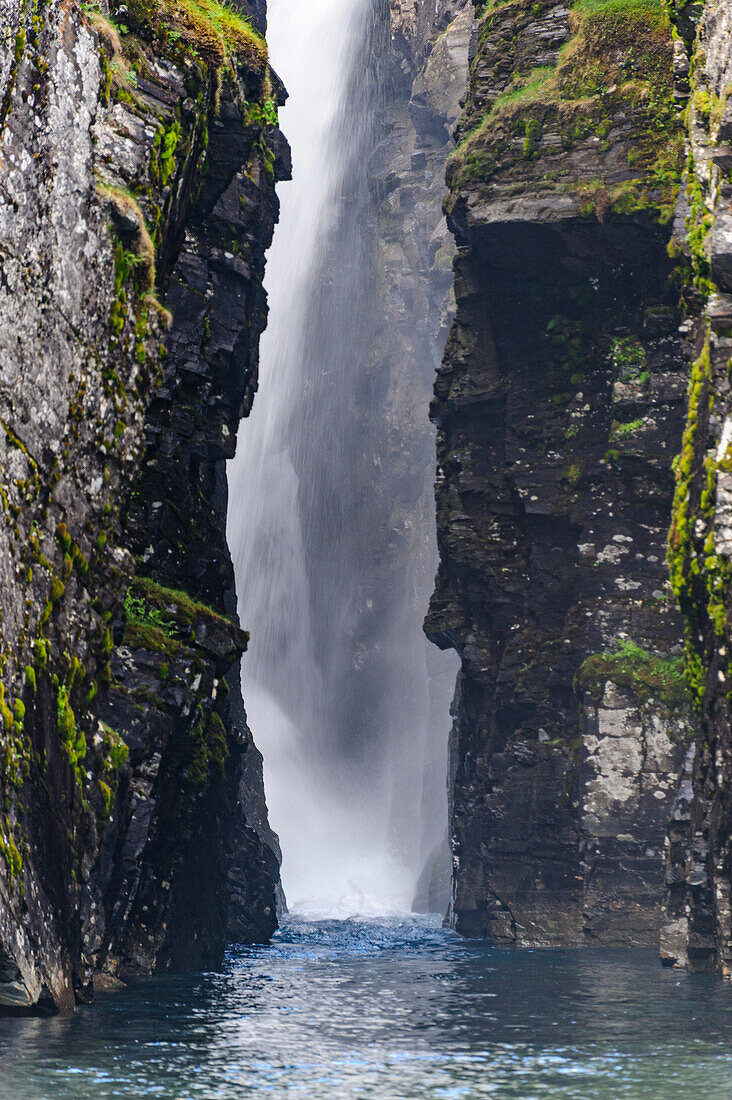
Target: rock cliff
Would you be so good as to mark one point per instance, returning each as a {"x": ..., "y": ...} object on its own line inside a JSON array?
[
  {"x": 589, "y": 205},
  {"x": 559, "y": 406},
  {"x": 138, "y": 154},
  {"x": 697, "y": 930}
]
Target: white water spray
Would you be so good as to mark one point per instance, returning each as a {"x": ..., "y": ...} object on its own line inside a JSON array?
[{"x": 335, "y": 681}]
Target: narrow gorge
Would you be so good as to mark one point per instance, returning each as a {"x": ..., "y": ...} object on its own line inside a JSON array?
[{"x": 365, "y": 579}]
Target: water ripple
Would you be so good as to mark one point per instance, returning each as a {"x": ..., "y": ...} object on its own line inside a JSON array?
[{"x": 395, "y": 1009}]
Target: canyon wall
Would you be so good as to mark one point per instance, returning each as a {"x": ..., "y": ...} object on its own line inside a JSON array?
[
  {"x": 697, "y": 929},
  {"x": 559, "y": 407},
  {"x": 588, "y": 200},
  {"x": 138, "y": 155}
]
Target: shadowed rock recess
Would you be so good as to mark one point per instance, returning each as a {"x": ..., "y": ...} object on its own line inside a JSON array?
[
  {"x": 559, "y": 406},
  {"x": 138, "y": 155}
]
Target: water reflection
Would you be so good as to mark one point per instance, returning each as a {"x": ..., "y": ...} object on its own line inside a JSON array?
[{"x": 395, "y": 1008}]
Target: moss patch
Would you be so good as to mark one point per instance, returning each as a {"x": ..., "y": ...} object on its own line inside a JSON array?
[
  {"x": 650, "y": 678},
  {"x": 208, "y": 750},
  {"x": 162, "y": 619},
  {"x": 214, "y": 32},
  {"x": 613, "y": 80},
  {"x": 142, "y": 635},
  {"x": 126, "y": 210},
  {"x": 9, "y": 851}
]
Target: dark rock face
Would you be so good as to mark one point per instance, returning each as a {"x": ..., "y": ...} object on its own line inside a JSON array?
[
  {"x": 559, "y": 407},
  {"x": 134, "y": 830},
  {"x": 697, "y": 930}
]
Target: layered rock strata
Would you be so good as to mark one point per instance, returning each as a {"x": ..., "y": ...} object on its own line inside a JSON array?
[
  {"x": 137, "y": 163},
  {"x": 559, "y": 408}
]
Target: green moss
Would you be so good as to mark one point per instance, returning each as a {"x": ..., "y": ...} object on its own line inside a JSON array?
[
  {"x": 532, "y": 133},
  {"x": 116, "y": 751},
  {"x": 698, "y": 226},
  {"x": 622, "y": 429},
  {"x": 628, "y": 356},
  {"x": 679, "y": 549},
  {"x": 57, "y": 589},
  {"x": 572, "y": 474},
  {"x": 72, "y": 737},
  {"x": 616, "y": 65},
  {"x": 19, "y": 45},
  {"x": 106, "y": 794},
  {"x": 694, "y": 669},
  {"x": 40, "y": 654},
  {"x": 5, "y": 711},
  {"x": 649, "y": 677},
  {"x": 702, "y": 104},
  {"x": 66, "y": 717},
  {"x": 30, "y": 677},
  {"x": 208, "y": 750},
  {"x": 63, "y": 536},
  {"x": 144, "y": 635},
  {"x": 168, "y": 147},
  {"x": 9, "y": 851}
]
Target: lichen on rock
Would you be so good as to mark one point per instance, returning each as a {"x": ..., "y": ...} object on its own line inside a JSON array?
[
  {"x": 559, "y": 405},
  {"x": 106, "y": 196}
]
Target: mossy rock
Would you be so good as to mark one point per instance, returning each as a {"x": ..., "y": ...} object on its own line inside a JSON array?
[
  {"x": 164, "y": 619},
  {"x": 210, "y": 31},
  {"x": 648, "y": 677},
  {"x": 613, "y": 81}
]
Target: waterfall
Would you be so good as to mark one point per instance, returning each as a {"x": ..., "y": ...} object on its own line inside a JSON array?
[{"x": 335, "y": 682}]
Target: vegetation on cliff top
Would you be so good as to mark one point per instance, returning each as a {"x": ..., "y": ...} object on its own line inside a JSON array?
[
  {"x": 209, "y": 30},
  {"x": 613, "y": 81},
  {"x": 212, "y": 29}
]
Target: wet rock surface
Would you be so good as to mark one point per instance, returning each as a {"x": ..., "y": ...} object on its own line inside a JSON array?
[
  {"x": 133, "y": 813},
  {"x": 559, "y": 406}
]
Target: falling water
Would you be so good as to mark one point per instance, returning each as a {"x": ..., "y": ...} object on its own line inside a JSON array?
[{"x": 335, "y": 681}]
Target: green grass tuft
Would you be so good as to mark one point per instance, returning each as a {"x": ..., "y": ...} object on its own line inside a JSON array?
[{"x": 648, "y": 676}]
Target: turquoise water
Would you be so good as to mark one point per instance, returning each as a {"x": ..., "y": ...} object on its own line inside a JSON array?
[{"x": 393, "y": 1008}]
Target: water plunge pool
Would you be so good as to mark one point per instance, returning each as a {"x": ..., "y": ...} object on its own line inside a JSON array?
[{"x": 393, "y": 1007}]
